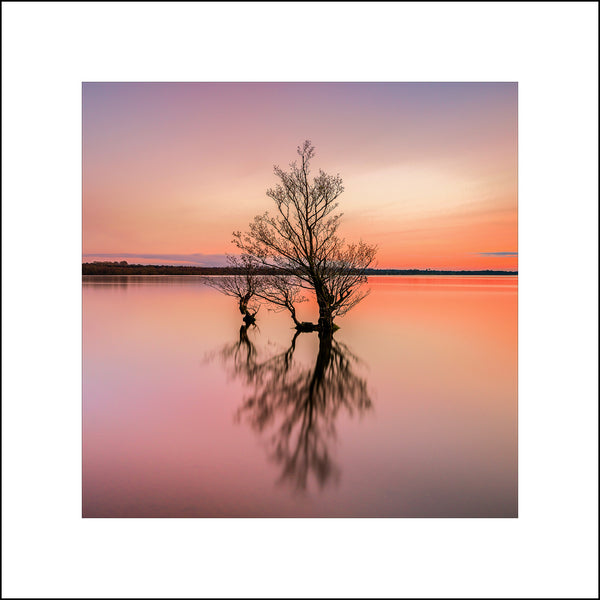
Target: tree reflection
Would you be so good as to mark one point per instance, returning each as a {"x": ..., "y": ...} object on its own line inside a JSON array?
[
  {"x": 296, "y": 406},
  {"x": 241, "y": 356}
]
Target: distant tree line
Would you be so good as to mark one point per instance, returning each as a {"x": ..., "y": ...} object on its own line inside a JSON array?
[
  {"x": 123, "y": 268},
  {"x": 436, "y": 272}
]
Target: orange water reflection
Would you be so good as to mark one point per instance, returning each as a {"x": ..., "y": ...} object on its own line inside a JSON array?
[{"x": 412, "y": 409}]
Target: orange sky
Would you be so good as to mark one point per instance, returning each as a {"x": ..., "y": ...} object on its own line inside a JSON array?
[{"x": 430, "y": 170}]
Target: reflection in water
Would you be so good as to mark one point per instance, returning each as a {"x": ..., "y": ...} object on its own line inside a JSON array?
[
  {"x": 123, "y": 281},
  {"x": 160, "y": 438},
  {"x": 298, "y": 405}
]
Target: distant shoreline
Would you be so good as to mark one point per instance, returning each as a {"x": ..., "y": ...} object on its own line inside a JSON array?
[{"x": 122, "y": 268}]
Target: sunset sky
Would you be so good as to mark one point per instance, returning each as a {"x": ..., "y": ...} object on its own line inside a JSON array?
[{"x": 429, "y": 169}]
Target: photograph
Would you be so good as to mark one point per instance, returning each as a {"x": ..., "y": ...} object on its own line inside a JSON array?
[{"x": 300, "y": 299}]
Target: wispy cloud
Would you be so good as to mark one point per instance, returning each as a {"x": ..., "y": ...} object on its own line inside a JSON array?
[
  {"x": 497, "y": 253},
  {"x": 204, "y": 260}
]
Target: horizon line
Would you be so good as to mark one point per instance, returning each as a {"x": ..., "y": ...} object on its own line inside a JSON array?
[{"x": 220, "y": 267}]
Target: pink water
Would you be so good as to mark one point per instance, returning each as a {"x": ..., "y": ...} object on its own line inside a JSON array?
[{"x": 414, "y": 413}]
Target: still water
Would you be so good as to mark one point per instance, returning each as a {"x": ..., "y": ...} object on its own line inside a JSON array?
[{"x": 410, "y": 411}]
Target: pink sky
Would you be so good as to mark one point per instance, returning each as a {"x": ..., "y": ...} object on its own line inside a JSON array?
[{"x": 430, "y": 170}]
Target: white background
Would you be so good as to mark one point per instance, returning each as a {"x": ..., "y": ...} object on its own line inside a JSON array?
[{"x": 49, "y": 49}]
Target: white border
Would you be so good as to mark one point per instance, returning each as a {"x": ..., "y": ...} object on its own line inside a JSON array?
[{"x": 550, "y": 49}]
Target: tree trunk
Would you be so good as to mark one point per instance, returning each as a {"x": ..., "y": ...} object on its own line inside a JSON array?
[
  {"x": 293, "y": 313},
  {"x": 325, "y": 323},
  {"x": 325, "y": 320}
]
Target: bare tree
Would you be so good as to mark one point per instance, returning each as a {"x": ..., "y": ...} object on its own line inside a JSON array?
[
  {"x": 301, "y": 239},
  {"x": 242, "y": 284}
]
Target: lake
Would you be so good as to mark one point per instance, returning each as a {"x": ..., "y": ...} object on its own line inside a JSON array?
[{"x": 411, "y": 410}]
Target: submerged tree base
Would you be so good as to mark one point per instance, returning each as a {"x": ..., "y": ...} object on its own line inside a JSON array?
[{"x": 306, "y": 326}]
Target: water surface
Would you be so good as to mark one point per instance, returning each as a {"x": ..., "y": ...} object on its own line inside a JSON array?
[{"x": 410, "y": 411}]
